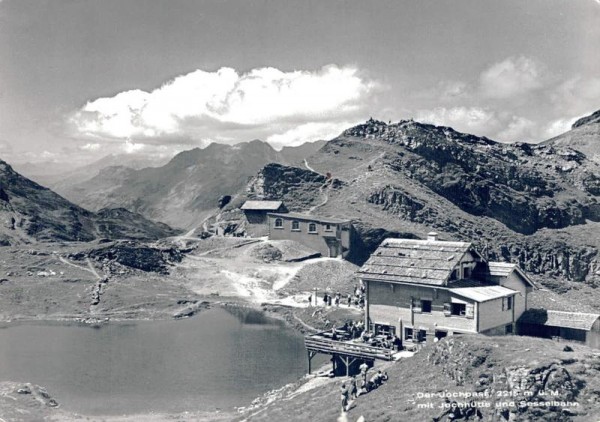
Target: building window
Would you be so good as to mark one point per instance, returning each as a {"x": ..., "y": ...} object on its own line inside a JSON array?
[
  {"x": 328, "y": 228},
  {"x": 509, "y": 329},
  {"x": 408, "y": 334},
  {"x": 425, "y": 306},
  {"x": 507, "y": 303},
  {"x": 466, "y": 272},
  {"x": 312, "y": 228},
  {"x": 278, "y": 223},
  {"x": 459, "y": 309},
  {"x": 295, "y": 226}
]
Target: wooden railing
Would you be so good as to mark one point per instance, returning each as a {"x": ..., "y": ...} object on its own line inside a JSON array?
[{"x": 320, "y": 344}]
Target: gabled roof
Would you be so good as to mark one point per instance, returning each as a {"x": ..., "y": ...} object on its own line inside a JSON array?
[
  {"x": 504, "y": 269},
  {"x": 414, "y": 261},
  {"x": 576, "y": 320},
  {"x": 262, "y": 205},
  {"x": 483, "y": 293},
  {"x": 308, "y": 217}
]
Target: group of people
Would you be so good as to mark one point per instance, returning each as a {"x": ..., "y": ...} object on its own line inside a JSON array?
[
  {"x": 357, "y": 298},
  {"x": 353, "y": 391},
  {"x": 354, "y": 329},
  {"x": 387, "y": 342}
]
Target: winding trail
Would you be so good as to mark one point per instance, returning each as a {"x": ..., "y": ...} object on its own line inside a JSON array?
[
  {"x": 323, "y": 191},
  {"x": 309, "y": 167}
]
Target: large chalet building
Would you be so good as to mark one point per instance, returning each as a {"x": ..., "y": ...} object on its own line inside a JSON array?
[{"x": 420, "y": 290}]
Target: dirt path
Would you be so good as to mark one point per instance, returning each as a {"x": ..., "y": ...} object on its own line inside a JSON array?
[
  {"x": 90, "y": 268},
  {"x": 309, "y": 167},
  {"x": 324, "y": 192}
]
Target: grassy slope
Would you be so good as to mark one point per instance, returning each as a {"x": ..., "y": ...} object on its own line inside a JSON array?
[{"x": 440, "y": 367}]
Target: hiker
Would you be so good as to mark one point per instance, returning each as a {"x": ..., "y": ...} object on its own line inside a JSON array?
[
  {"x": 328, "y": 300},
  {"x": 364, "y": 368},
  {"x": 349, "y": 300},
  {"x": 325, "y": 296},
  {"x": 310, "y": 300},
  {"x": 337, "y": 301},
  {"x": 353, "y": 389},
  {"x": 376, "y": 379},
  {"x": 344, "y": 391}
]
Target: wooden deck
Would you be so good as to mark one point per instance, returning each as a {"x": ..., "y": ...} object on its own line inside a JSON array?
[{"x": 348, "y": 351}]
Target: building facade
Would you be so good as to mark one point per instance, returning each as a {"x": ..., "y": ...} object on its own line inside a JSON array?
[
  {"x": 256, "y": 212},
  {"x": 331, "y": 237},
  {"x": 562, "y": 326},
  {"x": 420, "y": 290}
]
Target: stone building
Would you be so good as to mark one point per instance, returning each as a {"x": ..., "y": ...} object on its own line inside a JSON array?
[
  {"x": 420, "y": 290},
  {"x": 332, "y": 237},
  {"x": 256, "y": 215}
]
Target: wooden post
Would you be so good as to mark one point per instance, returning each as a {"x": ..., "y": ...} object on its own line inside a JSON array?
[{"x": 311, "y": 355}]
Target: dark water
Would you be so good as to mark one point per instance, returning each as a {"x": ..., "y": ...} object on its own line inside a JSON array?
[{"x": 219, "y": 359}]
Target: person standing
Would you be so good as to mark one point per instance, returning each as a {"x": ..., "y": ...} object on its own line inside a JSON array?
[
  {"x": 364, "y": 368},
  {"x": 353, "y": 389},
  {"x": 344, "y": 397},
  {"x": 349, "y": 300}
]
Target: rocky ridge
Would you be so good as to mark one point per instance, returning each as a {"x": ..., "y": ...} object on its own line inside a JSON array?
[{"x": 536, "y": 205}]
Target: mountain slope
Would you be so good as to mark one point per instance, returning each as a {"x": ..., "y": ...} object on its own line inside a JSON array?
[
  {"x": 30, "y": 212},
  {"x": 187, "y": 188},
  {"x": 536, "y": 205},
  {"x": 584, "y": 136}
]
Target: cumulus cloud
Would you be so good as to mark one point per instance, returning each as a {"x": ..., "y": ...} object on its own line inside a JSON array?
[
  {"x": 500, "y": 126},
  {"x": 475, "y": 120},
  {"x": 204, "y": 104},
  {"x": 511, "y": 77},
  {"x": 308, "y": 132}
]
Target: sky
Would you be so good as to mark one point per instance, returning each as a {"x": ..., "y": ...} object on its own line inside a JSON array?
[{"x": 81, "y": 79}]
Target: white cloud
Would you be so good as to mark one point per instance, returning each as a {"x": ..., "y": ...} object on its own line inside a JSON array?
[
  {"x": 132, "y": 147},
  {"x": 205, "y": 104},
  {"x": 499, "y": 126},
  {"x": 308, "y": 132},
  {"x": 518, "y": 128},
  {"x": 557, "y": 127},
  {"x": 475, "y": 120},
  {"x": 512, "y": 77},
  {"x": 90, "y": 146}
]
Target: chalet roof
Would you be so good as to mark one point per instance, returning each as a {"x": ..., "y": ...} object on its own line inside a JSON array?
[
  {"x": 309, "y": 217},
  {"x": 504, "y": 269},
  {"x": 483, "y": 293},
  {"x": 414, "y": 261},
  {"x": 262, "y": 205},
  {"x": 576, "y": 320}
]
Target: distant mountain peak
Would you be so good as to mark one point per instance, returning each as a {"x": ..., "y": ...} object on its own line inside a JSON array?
[{"x": 587, "y": 120}]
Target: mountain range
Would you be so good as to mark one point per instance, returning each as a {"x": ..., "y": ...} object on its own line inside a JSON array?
[
  {"x": 30, "y": 213},
  {"x": 187, "y": 188},
  {"x": 535, "y": 204}
]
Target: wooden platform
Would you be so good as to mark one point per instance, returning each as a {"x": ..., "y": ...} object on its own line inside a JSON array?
[{"x": 347, "y": 351}]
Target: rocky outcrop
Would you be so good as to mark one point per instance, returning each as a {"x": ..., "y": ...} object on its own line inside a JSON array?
[
  {"x": 592, "y": 118},
  {"x": 32, "y": 212},
  {"x": 132, "y": 255},
  {"x": 395, "y": 200},
  {"x": 518, "y": 391},
  {"x": 298, "y": 188}
]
